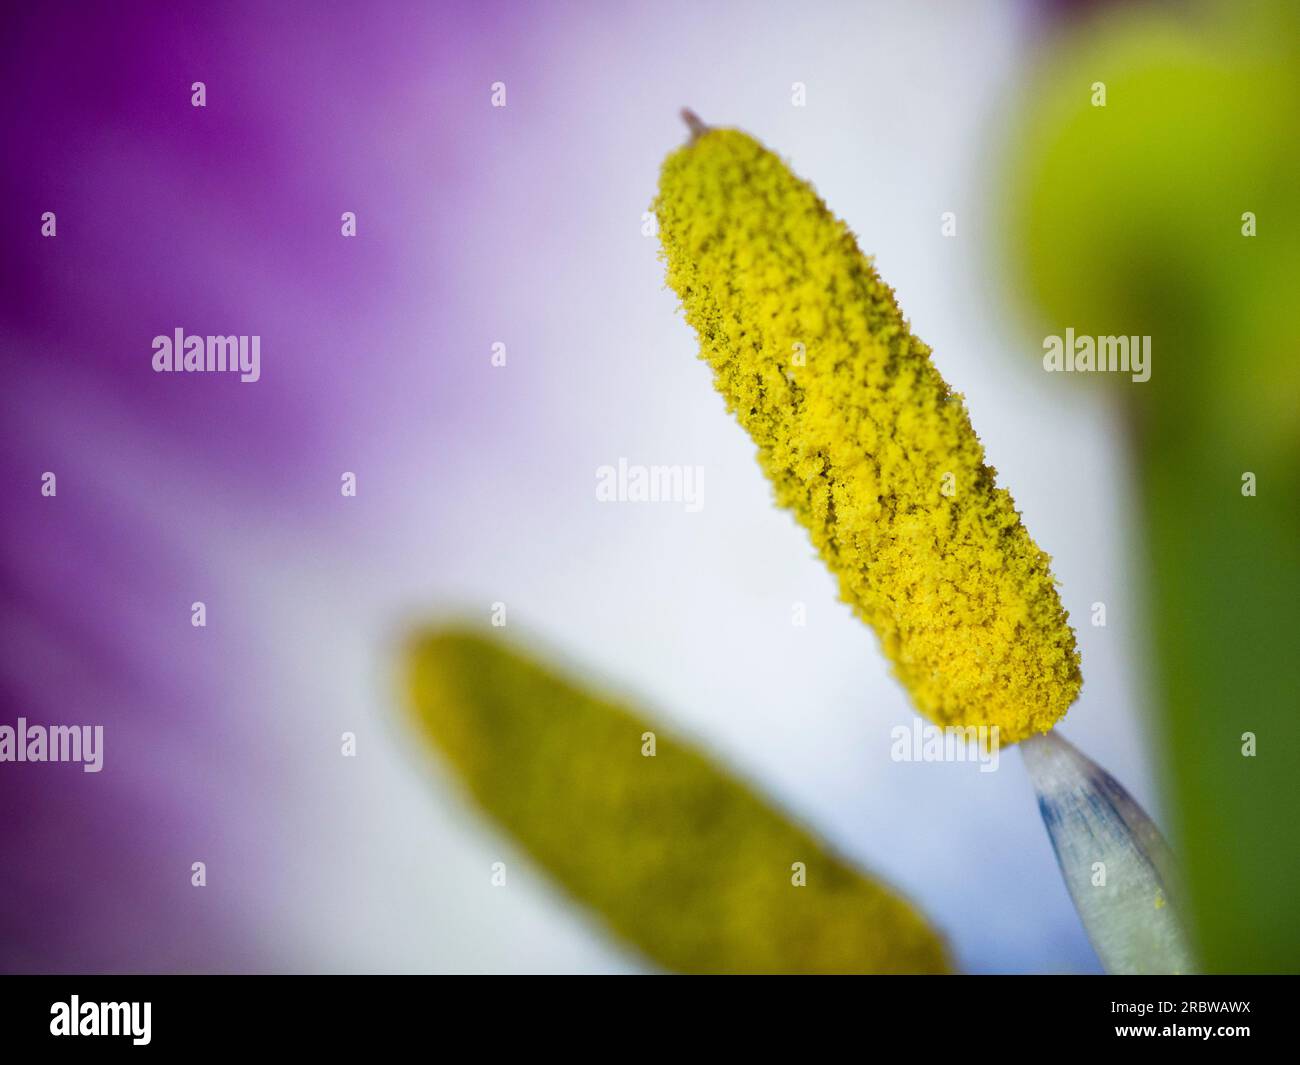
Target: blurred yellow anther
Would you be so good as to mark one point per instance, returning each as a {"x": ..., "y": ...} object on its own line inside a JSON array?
[
  {"x": 676, "y": 855},
  {"x": 863, "y": 439}
]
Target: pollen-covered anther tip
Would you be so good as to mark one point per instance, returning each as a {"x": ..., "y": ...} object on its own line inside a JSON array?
[
  {"x": 863, "y": 439},
  {"x": 694, "y": 124}
]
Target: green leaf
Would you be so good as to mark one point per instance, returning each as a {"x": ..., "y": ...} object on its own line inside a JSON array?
[{"x": 1131, "y": 219}]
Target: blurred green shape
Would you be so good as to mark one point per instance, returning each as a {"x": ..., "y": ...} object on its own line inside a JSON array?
[
  {"x": 677, "y": 856},
  {"x": 1128, "y": 219}
]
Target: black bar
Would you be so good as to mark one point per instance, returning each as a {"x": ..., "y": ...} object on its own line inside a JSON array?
[{"x": 1046, "y": 1016}]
